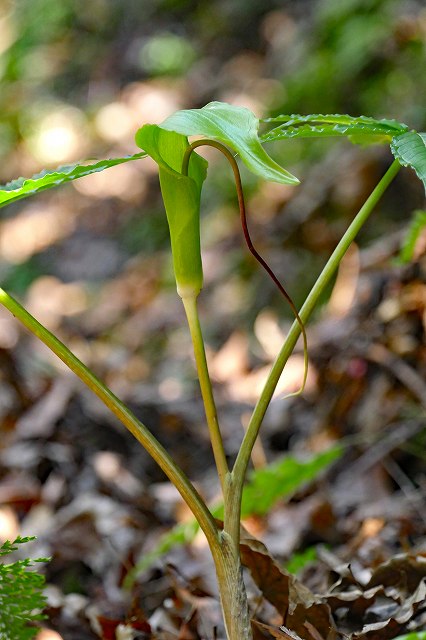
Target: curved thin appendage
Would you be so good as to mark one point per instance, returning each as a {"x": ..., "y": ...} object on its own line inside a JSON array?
[{"x": 243, "y": 217}]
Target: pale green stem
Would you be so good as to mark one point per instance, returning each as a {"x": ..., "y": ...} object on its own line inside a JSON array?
[
  {"x": 324, "y": 278},
  {"x": 139, "y": 430},
  {"x": 190, "y": 305}
]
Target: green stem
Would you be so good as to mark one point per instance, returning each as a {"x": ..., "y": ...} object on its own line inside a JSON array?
[
  {"x": 190, "y": 304},
  {"x": 324, "y": 278},
  {"x": 139, "y": 430}
]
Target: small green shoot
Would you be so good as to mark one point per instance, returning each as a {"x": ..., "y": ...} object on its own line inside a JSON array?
[{"x": 300, "y": 560}]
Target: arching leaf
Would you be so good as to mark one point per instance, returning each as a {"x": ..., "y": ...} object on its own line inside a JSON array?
[
  {"x": 236, "y": 127},
  {"x": 410, "y": 149}
]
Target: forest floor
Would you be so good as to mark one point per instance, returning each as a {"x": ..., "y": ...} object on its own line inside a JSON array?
[{"x": 354, "y": 536}]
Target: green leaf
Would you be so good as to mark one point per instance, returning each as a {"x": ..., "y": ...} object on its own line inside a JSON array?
[
  {"x": 338, "y": 118},
  {"x": 298, "y": 561},
  {"x": 25, "y": 187},
  {"x": 181, "y": 196},
  {"x": 236, "y": 127},
  {"x": 282, "y": 478},
  {"x": 410, "y": 149},
  {"x": 415, "y": 228},
  {"x": 359, "y": 129},
  {"x": 421, "y": 635}
]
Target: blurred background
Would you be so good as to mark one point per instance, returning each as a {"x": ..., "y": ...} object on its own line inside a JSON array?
[{"x": 91, "y": 260}]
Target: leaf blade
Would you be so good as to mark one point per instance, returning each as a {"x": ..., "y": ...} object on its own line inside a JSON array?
[
  {"x": 236, "y": 127},
  {"x": 358, "y": 129},
  {"x": 410, "y": 149},
  {"x": 25, "y": 187},
  {"x": 337, "y": 118},
  {"x": 267, "y": 485}
]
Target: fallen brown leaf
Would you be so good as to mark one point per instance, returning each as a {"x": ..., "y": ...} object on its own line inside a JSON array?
[{"x": 289, "y": 596}]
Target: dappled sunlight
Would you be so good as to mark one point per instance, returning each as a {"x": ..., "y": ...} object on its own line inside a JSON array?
[
  {"x": 50, "y": 300},
  {"x": 153, "y": 101},
  {"x": 171, "y": 389},
  {"x": 345, "y": 287},
  {"x": 35, "y": 229},
  {"x": 115, "y": 121},
  {"x": 48, "y": 634},
  {"x": 230, "y": 365},
  {"x": 267, "y": 200},
  {"x": 60, "y": 136},
  {"x": 107, "y": 465},
  {"x": 8, "y": 32},
  {"x": 249, "y": 387},
  {"x": 231, "y": 361},
  {"x": 269, "y": 333},
  {"x": 9, "y": 523}
]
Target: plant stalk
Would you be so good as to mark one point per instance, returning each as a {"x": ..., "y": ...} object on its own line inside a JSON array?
[
  {"x": 191, "y": 310},
  {"x": 232, "y": 590},
  {"x": 243, "y": 457},
  {"x": 139, "y": 430}
]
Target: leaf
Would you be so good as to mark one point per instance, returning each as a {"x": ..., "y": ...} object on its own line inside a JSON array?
[
  {"x": 405, "y": 571},
  {"x": 358, "y": 129},
  {"x": 236, "y": 127},
  {"x": 337, "y": 118},
  {"x": 299, "y": 560},
  {"x": 410, "y": 149},
  {"x": 25, "y": 187},
  {"x": 181, "y": 196},
  {"x": 282, "y": 478},
  {"x": 414, "y": 231},
  {"x": 285, "y": 592},
  {"x": 413, "y": 636}
]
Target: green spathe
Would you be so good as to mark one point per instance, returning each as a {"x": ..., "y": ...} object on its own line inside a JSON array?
[
  {"x": 236, "y": 127},
  {"x": 181, "y": 196}
]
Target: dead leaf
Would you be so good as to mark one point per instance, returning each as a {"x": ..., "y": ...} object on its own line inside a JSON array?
[
  {"x": 403, "y": 571},
  {"x": 288, "y": 595}
]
